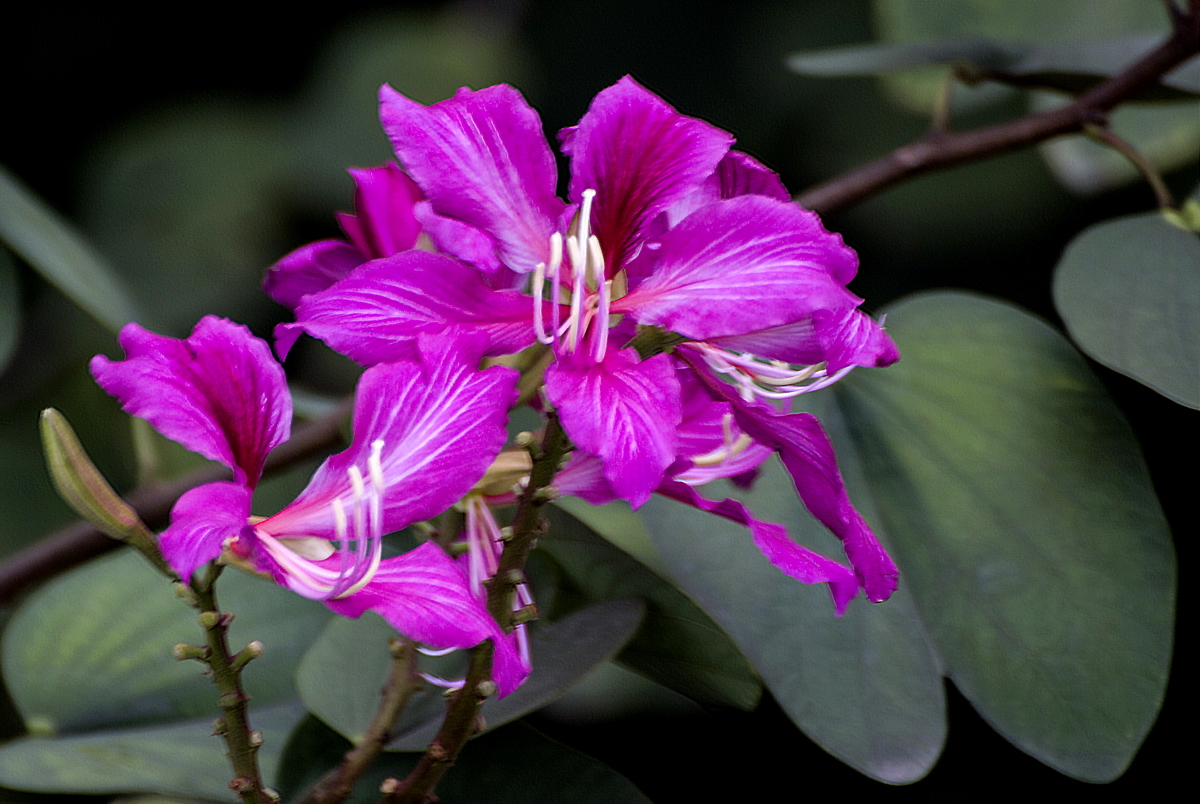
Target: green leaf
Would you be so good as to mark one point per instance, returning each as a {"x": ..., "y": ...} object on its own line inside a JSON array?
[
  {"x": 341, "y": 675},
  {"x": 562, "y": 653},
  {"x": 10, "y": 308},
  {"x": 513, "y": 765},
  {"x": 1067, "y": 66},
  {"x": 184, "y": 757},
  {"x": 1129, "y": 292},
  {"x": 866, "y": 687},
  {"x": 679, "y": 645},
  {"x": 1025, "y": 524},
  {"x": 61, "y": 255},
  {"x": 92, "y": 649}
]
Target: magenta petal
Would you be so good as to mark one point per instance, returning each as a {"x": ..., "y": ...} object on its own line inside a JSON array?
[
  {"x": 741, "y": 265},
  {"x": 376, "y": 314},
  {"x": 789, "y": 557},
  {"x": 640, "y": 156},
  {"x": 838, "y": 337},
  {"x": 583, "y": 477},
  {"x": 219, "y": 393},
  {"x": 481, "y": 158},
  {"x": 310, "y": 269},
  {"x": 808, "y": 456},
  {"x": 441, "y": 427},
  {"x": 384, "y": 223},
  {"x": 623, "y": 410},
  {"x": 737, "y": 174},
  {"x": 424, "y": 595},
  {"x": 201, "y": 521}
]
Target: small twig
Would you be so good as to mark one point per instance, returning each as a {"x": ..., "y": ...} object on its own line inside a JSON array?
[
  {"x": 234, "y": 724},
  {"x": 403, "y": 680},
  {"x": 938, "y": 150},
  {"x": 1106, "y": 136},
  {"x": 463, "y": 710}
]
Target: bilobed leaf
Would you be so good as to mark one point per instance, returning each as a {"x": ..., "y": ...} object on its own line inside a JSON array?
[
  {"x": 1129, "y": 292},
  {"x": 563, "y": 652},
  {"x": 514, "y": 765},
  {"x": 183, "y": 757},
  {"x": 60, "y": 254},
  {"x": 865, "y": 687},
  {"x": 1024, "y": 523},
  {"x": 91, "y": 650},
  {"x": 679, "y": 645}
]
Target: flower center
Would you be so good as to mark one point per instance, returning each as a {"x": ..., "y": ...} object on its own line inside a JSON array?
[
  {"x": 591, "y": 292},
  {"x": 769, "y": 379},
  {"x": 307, "y": 562}
]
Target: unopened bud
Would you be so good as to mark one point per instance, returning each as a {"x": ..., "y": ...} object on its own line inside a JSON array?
[
  {"x": 515, "y": 576},
  {"x": 486, "y": 688},
  {"x": 182, "y": 652},
  {"x": 209, "y": 620}
]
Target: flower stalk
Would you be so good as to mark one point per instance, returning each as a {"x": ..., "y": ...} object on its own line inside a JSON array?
[
  {"x": 402, "y": 682},
  {"x": 462, "y": 714}
]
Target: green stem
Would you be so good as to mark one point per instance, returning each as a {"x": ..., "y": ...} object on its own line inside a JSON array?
[
  {"x": 1106, "y": 136},
  {"x": 234, "y": 724},
  {"x": 463, "y": 711},
  {"x": 403, "y": 680}
]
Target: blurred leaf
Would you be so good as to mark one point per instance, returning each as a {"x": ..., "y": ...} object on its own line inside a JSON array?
[
  {"x": 865, "y": 687},
  {"x": 10, "y": 307},
  {"x": 92, "y": 649},
  {"x": 1129, "y": 292},
  {"x": 60, "y": 254},
  {"x": 1049, "y": 26},
  {"x": 1066, "y": 66},
  {"x": 1166, "y": 134},
  {"x": 514, "y": 765},
  {"x": 1024, "y": 523},
  {"x": 678, "y": 646},
  {"x": 183, "y": 757},
  {"x": 562, "y": 652}
]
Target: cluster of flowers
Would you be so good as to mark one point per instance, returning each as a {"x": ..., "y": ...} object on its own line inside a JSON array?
[{"x": 663, "y": 311}]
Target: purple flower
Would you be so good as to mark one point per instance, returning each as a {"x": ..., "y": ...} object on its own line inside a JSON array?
[
  {"x": 424, "y": 433},
  {"x": 668, "y": 234},
  {"x": 386, "y": 224}
]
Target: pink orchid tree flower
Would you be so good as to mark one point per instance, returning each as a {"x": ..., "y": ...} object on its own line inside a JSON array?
[
  {"x": 668, "y": 237},
  {"x": 424, "y": 433}
]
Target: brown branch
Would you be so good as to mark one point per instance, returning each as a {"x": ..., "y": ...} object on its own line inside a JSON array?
[
  {"x": 940, "y": 149},
  {"x": 79, "y": 541}
]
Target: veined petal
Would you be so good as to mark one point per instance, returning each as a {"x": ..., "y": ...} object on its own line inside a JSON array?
[
  {"x": 583, "y": 477},
  {"x": 482, "y": 158},
  {"x": 384, "y": 223},
  {"x": 201, "y": 522},
  {"x": 738, "y": 266},
  {"x": 219, "y": 393},
  {"x": 310, "y": 269},
  {"x": 376, "y": 314},
  {"x": 441, "y": 426},
  {"x": 622, "y": 409},
  {"x": 737, "y": 174},
  {"x": 640, "y": 156},
  {"x": 424, "y": 595},
  {"x": 709, "y": 437},
  {"x": 789, "y": 557},
  {"x": 808, "y": 456},
  {"x": 839, "y": 338}
]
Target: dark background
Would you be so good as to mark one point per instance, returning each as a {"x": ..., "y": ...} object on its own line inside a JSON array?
[{"x": 79, "y": 79}]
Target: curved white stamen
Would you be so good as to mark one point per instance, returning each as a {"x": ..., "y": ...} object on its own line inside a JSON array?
[
  {"x": 772, "y": 379},
  {"x": 435, "y": 651},
  {"x": 438, "y": 681},
  {"x": 604, "y": 292},
  {"x": 539, "y": 281}
]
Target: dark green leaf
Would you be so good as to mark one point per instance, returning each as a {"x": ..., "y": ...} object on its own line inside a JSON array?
[
  {"x": 1025, "y": 525},
  {"x": 514, "y": 765},
  {"x": 563, "y": 652},
  {"x": 866, "y": 687},
  {"x": 92, "y": 649},
  {"x": 678, "y": 646},
  {"x": 183, "y": 757},
  {"x": 61, "y": 255},
  {"x": 1129, "y": 292}
]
